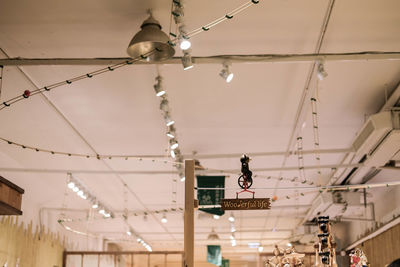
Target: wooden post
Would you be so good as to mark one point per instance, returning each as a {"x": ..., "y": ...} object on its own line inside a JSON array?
[{"x": 189, "y": 215}]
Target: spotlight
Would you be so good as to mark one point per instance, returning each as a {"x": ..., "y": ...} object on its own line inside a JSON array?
[
  {"x": 164, "y": 219},
  {"x": 321, "y": 73},
  {"x": 216, "y": 217},
  {"x": 184, "y": 42},
  {"x": 75, "y": 189},
  {"x": 231, "y": 218},
  {"x": 158, "y": 87},
  {"x": 187, "y": 60},
  {"x": 174, "y": 144},
  {"x": 226, "y": 73},
  {"x": 171, "y": 134},
  {"x": 95, "y": 206},
  {"x": 71, "y": 185},
  {"x": 168, "y": 120}
]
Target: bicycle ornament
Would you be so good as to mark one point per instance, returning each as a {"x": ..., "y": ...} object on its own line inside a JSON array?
[{"x": 245, "y": 180}]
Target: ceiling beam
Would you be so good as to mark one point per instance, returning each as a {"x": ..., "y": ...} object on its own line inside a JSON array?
[{"x": 218, "y": 59}]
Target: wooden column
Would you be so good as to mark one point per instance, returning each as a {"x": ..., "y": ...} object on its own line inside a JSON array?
[{"x": 189, "y": 214}]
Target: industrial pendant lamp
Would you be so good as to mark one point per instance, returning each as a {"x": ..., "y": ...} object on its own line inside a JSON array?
[{"x": 150, "y": 42}]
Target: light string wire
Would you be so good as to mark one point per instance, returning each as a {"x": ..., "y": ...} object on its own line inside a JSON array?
[
  {"x": 310, "y": 190},
  {"x": 300, "y": 158},
  {"x": 1, "y": 78},
  {"x": 316, "y": 137},
  {"x": 28, "y": 93}
]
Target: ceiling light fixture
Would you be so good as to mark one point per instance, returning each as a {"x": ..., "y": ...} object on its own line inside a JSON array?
[
  {"x": 164, "y": 219},
  {"x": 158, "y": 87},
  {"x": 226, "y": 73},
  {"x": 187, "y": 60},
  {"x": 151, "y": 42},
  {"x": 231, "y": 218},
  {"x": 184, "y": 42},
  {"x": 173, "y": 144},
  {"x": 321, "y": 73}
]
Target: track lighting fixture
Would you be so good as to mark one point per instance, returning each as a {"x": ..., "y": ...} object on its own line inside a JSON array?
[
  {"x": 158, "y": 87},
  {"x": 168, "y": 120},
  {"x": 187, "y": 60},
  {"x": 164, "y": 219},
  {"x": 173, "y": 144},
  {"x": 184, "y": 42},
  {"x": 321, "y": 73},
  {"x": 226, "y": 73}
]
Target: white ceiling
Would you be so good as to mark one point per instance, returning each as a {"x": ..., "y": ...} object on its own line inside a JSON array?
[{"x": 118, "y": 112}]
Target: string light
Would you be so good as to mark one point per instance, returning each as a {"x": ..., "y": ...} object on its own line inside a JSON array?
[
  {"x": 226, "y": 73},
  {"x": 216, "y": 217},
  {"x": 316, "y": 137},
  {"x": 231, "y": 218}
]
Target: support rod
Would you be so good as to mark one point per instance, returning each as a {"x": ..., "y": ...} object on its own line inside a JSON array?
[
  {"x": 189, "y": 214},
  {"x": 218, "y": 59},
  {"x": 145, "y": 172}
]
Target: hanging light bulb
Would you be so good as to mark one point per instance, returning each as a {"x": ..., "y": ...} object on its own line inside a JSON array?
[
  {"x": 164, "y": 219},
  {"x": 80, "y": 193},
  {"x": 102, "y": 211},
  {"x": 170, "y": 134},
  {"x": 187, "y": 60},
  {"x": 321, "y": 73},
  {"x": 129, "y": 232},
  {"x": 260, "y": 249},
  {"x": 226, "y": 73},
  {"x": 95, "y": 206},
  {"x": 71, "y": 185},
  {"x": 107, "y": 215},
  {"x": 75, "y": 189},
  {"x": 231, "y": 218},
  {"x": 216, "y": 217},
  {"x": 173, "y": 154},
  {"x": 233, "y": 242}
]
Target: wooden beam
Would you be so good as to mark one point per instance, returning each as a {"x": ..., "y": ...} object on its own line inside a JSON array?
[{"x": 189, "y": 215}]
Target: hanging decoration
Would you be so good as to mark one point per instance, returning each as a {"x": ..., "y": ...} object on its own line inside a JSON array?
[
  {"x": 214, "y": 255},
  {"x": 358, "y": 258},
  {"x": 285, "y": 257},
  {"x": 211, "y": 197},
  {"x": 325, "y": 249}
]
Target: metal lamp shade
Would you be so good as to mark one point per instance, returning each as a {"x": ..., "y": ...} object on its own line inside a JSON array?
[{"x": 150, "y": 42}]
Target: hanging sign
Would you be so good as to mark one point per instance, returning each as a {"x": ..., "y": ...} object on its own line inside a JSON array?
[
  {"x": 211, "y": 197},
  {"x": 246, "y": 204}
]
